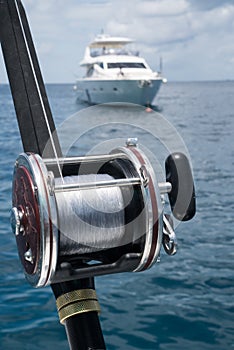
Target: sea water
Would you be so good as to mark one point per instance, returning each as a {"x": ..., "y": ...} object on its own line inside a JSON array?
[{"x": 183, "y": 302}]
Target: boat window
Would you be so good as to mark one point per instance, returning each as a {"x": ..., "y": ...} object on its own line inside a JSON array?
[
  {"x": 100, "y": 64},
  {"x": 126, "y": 65}
]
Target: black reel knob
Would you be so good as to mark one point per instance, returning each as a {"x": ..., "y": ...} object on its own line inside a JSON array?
[{"x": 182, "y": 194}]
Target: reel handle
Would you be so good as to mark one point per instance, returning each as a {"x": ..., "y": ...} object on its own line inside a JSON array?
[{"x": 182, "y": 194}]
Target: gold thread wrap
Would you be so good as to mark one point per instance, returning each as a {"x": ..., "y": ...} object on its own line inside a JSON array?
[
  {"x": 75, "y": 295},
  {"x": 78, "y": 308},
  {"x": 77, "y": 302}
]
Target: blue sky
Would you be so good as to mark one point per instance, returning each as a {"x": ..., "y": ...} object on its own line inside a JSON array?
[{"x": 194, "y": 37}]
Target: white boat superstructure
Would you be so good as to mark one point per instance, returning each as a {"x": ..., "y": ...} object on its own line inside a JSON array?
[{"x": 114, "y": 73}]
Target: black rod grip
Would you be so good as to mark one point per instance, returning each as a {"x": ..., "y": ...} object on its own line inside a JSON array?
[{"x": 83, "y": 330}]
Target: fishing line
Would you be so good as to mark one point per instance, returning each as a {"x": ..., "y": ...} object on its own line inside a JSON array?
[
  {"x": 38, "y": 90},
  {"x": 90, "y": 219}
]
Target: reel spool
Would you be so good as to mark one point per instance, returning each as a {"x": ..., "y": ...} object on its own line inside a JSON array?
[{"x": 104, "y": 215}]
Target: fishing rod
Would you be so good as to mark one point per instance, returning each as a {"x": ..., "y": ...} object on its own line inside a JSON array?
[
  {"x": 39, "y": 136},
  {"x": 81, "y": 217}
]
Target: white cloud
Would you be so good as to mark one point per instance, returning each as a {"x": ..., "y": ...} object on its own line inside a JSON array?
[{"x": 162, "y": 7}]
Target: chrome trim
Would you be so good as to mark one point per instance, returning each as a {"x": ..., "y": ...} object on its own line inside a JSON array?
[
  {"x": 148, "y": 205},
  {"x": 48, "y": 218},
  {"x": 98, "y": 184},
  {"x": 84, "y": 159}
]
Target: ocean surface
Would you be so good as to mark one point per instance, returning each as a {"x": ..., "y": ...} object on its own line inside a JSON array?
[{"x": 183, "y": 302}]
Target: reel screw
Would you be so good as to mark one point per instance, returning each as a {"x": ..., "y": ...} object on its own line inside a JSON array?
[
  {"x": 132, "y": 142},
  {"x": 16, "y": 221},
  {"x": 28, "y": 255}
]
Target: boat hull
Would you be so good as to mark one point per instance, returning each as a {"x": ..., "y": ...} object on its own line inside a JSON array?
[{"x": 138, "y": 91}]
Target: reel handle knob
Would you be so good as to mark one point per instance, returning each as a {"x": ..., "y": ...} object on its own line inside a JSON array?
[{"x": 182, "y": 194}]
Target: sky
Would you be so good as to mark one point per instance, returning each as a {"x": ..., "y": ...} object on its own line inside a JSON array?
[{"x": 195, "y": 38}]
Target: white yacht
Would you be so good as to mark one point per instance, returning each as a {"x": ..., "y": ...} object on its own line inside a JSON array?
[{"x": 114, "y": 73}]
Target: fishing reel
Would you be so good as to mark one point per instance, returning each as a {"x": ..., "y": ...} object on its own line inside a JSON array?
[{"x": 79, "y": 217}]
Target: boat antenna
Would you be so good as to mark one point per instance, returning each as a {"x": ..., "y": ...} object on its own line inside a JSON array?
[{"x": 160, "y": 64}]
